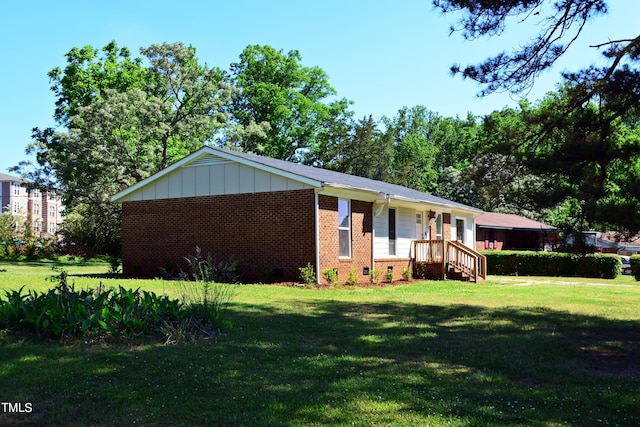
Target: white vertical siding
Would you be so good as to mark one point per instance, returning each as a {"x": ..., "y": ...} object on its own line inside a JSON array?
[
  {"x": 215, "y": 178},
  {"x": 405, "y": 232}
]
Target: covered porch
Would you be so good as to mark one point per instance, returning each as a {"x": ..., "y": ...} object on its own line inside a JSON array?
[{"x": 441, "y": 259}]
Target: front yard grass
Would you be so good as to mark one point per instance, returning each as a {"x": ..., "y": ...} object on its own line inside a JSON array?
[{"x": 514, "y": 351}]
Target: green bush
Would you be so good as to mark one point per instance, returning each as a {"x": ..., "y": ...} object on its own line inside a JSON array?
[
  {"x": 635, "y": 266},
  {"x": 64, "y": 312},
  {"x": 308, "y": 274},
  {"x": 352, "y": 278},
  {"x": 330, "y": 275},
  {"x": 525, "y": 263}
]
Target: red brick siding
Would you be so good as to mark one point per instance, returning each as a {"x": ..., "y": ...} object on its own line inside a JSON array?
[
  {"x": 398, "y": 265},
  {"x": 361, "y": 237},
  {"x": 274, "y": 230},
  {"x": 484, "y": 237},
  {"x": 446, "y": 226}
]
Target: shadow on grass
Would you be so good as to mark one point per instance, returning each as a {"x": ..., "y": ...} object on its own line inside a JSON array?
[{"x": 337, "y": 363}]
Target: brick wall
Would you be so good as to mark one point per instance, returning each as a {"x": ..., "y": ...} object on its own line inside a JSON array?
[
  {"x": 398, "y": 266},
  {"x": 446, "y": 226},
  {"x": 272, "y": 231},
  {"x": 361, "y": 237}
]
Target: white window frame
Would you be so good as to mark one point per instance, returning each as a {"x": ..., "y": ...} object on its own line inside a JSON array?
[
  {"x": 393, "y": 248},
  {"x": 342, "y": 228},
  {"x": 461, "y": 231}
]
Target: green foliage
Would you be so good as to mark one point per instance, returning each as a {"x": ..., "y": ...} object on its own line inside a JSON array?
[
  {"x": 524, "y": 263},
  {"x": 308, "y": 274},
  {"x": 389, "y": 275},
  {"x": 64, "y": 312},
  {"x": 635, "y": 266},
  {"x": 288, "y": 100},
  {"x": 207, "y": 295},
  {"x": 207, "y": 270},
  {"x": 120, "y": 122},
  {"x": 374, "y": 275},
  {"x": 330, "y": 275},
  {"x": 407, "y": 273},
  {"x": 578, "y": 147},
  {"x": 352, "y": 278}
]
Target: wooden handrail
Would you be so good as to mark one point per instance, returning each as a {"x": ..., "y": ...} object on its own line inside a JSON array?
[
  {"x": 454, "y": 254},
  {"x": 465, "y": 259}
]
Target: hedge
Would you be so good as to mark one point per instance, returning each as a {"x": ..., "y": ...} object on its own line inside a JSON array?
[
  {"x": 524, "y": 263},
  {"x": 634, "y": 260}
]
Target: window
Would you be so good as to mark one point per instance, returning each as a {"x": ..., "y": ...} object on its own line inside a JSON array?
[
  {"x": 16, "y": 188},
  {"x": 35, "y": 194},
  {"x": 52, "y": 211},
  {"x": 36, "y": 226},
  {"x": 16, "y": 207},
  {"x": 52, "y": 228},
  {"x": 344, "y": 228},
  {"x": 439, "y": 227},
  {"x": 36, "y": 208},
  {"x": 392, "y": 231},
  {"x": 460, "y": 230}
]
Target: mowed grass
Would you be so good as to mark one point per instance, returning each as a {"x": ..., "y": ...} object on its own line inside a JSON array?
[{"x": 508, "y": 352}]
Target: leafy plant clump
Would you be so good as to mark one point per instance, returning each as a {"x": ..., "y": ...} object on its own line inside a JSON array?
[
  {"x": 330, "y": 275},
  {"x": 352, "y": 279},
  {"x": 100, "y": 313},
  {"x": 308, "y": 274},
  {"x": 207, "y": 295},
  {"x": 374, "y": 274}
]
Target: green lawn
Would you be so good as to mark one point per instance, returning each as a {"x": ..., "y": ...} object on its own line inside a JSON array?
[{"x": 508, "y": 352}]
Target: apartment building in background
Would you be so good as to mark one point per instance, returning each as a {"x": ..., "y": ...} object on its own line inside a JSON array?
[{"x": 42, "y": 211}]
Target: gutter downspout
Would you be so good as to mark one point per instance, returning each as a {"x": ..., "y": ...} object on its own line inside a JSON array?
[{"x": 317, "y": 232}]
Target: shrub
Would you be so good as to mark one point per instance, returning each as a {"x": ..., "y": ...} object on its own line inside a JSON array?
[
  {"x": 308, "y": 274},
  {"x": 204, "y": 298},
  {"x": 375, "y": 275},
  {"x": 352, "y": 278},
  {"x": 64, "y": 312},
  {"x": 389, "y": 275},
  {"x": 407, "y": 273},
  {"x": 330, "y": 275},
  {"x": 207, "y": 270},
  {"x": 635, "y": 266},
  {"x": 553, "y": 264}
]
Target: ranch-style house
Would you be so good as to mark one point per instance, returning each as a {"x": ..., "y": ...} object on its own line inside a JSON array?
[{"x": 275, "y": 217}]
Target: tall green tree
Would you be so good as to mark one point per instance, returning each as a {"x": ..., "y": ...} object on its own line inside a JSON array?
[
  {"x": 293, "y": 104},
  {"x": 358, "y": 148},
  {"x": 117, "y": 131},
  {"x": 581, "y": 141},
  {"x": 586, "y": 161}
]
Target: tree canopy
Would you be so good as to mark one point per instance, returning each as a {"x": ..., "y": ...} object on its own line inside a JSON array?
[
  {"x": 292, "y": 102},
  {"x": 119, "y": 122},
  {"x": 580, "y": 142}
]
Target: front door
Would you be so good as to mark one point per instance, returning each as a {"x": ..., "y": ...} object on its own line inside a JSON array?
[{"x": 420, "y": 226}]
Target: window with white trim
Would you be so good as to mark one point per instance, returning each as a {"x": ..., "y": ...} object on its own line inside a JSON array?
[
  {"x": 344, "y": 228},
  {"x": 439, "y": 227},
  {"x": 460, "y": 230},
  {"x": 392, "y": 231}
]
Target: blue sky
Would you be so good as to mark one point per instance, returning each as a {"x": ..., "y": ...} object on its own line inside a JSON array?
[{"x": 382, "y": 55}]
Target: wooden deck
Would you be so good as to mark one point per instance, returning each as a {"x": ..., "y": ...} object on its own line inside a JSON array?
[{"x": 441, "y": 259}]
